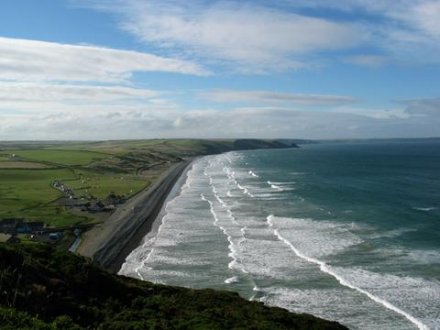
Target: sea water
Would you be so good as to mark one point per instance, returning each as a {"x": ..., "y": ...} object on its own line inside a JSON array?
[{"x": 347, "y": 232}]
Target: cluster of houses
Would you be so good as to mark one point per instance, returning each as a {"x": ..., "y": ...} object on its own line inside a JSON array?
[
  {"x": 19, "y": 226},
  {"x": 107, "y": 205},
  {"x": 59, "y": 185},
  {"x": 10, "y": 228}
]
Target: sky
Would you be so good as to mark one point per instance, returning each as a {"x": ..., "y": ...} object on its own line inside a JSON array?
[{"x": 138, "y": 69}]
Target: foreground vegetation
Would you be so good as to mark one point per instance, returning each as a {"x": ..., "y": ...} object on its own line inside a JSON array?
[{"x": 44, "y": 288}]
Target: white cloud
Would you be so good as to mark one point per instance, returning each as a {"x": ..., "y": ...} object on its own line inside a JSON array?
[
  {"x": 140, "y": 121},
  {"x": 232, "y": 96},
  {"x": 397, "y": 113},
  {"x": 43, "y": 92},
  {"x": 257, "y": 37},
  {"x": 45, "y": 99},
  {"x": 421, "y": 16},
  {"x": 29, "y": 60},
  {"x": 260, "y": 36},
  {"x": 407, "y": 30},
  {"x": 423, "y": 107}
]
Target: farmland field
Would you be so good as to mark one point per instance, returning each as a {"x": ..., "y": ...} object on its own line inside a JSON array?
[
  {"x": 100, "y": 185},
  {"x": 63, "y": 157},
  {"x": 27, "y": 193},
  {"x": 14, "y": 164},
  {"x": 87, "y": 172}
]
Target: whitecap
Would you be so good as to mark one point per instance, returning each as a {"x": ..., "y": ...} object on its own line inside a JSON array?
[
  {"x": 253, "y": 174},
  {"x": 425, "y": 209},
  {"x": 231, "y": 280}
]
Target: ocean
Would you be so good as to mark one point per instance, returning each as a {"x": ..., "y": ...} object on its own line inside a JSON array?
[{"x": 347, "y": 232}]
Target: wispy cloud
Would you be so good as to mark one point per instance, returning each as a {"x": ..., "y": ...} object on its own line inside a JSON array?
[
  {"x": 257, "y": 37},
  {"x": 260, "y": 36},
  {"x": 29, "y": 60},
  {"x": 46, "y": 98},
  {"x": 39, "y": 92},
  {"x": 407, "y": 31},
  {"x": 234, "y": 96}
]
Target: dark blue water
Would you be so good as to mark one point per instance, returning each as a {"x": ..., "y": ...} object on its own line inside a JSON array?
[{"x": 349, "y": 232}]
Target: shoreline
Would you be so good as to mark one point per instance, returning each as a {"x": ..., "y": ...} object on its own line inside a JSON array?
[{"x": 110, "y": 243}]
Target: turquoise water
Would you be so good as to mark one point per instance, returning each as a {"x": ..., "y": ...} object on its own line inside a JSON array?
[{"x": 348, "y": 232}]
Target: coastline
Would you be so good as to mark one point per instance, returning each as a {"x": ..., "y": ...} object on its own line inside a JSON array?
[
  {"x": 110, "y": 243},
  {"x": 157, "y": 223}
]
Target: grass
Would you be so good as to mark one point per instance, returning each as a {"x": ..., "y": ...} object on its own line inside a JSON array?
[
  {"x": 27, "y": 193},
  {"x": 168, "y": 147},
  {"x": 12, "y": 164},
  {"x": 30, "y": 187},
  {"x": 4, "y": 158},
  {"x": 62, "y": 157},
  {"x": 101, "y": 185}
]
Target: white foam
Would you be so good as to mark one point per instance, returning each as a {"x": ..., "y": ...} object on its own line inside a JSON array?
[
  {"x": 390, "y": 233},
  {"x": 318, "y": 238},
  {"x": 253, "y": 174},
  {"x": 245, "y": 190},
  {"x": 234, "y": 264},
  {"x": 329, "y": 270},
  {"x": 428, "y": 257},
  {"x": 279, "y": 186},
  {"x": 425, "y": 209},
  {"x": 231, "y": 280},
  {"x": 341, "y": 304},
  {"x": 281, "y": 183}
]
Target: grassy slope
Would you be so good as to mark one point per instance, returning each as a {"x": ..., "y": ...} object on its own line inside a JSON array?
[{"x": 47, "y": 289}]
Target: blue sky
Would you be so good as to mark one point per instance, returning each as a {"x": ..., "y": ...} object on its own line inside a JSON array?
[{"x": 116, "y": 69}]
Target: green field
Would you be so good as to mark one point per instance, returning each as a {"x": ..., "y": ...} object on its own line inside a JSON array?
[
  {"x": 22, "y": 164},
  {"x": 62, "y": 157},
  {"x": 27, "y": 193},
  {"x": 93, "y": 170},
  {"x": 100, "y": 186},
  {"x": 26, "y": 189}
]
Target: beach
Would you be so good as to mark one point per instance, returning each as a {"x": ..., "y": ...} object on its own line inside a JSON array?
[{"x": 109, "y": 243}]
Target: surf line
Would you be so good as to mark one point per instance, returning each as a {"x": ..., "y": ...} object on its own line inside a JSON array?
[
  {"x": 232, "y": 250},
  {"x": 143, "y": 264},
  {"x": 326, "y": 269}
]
